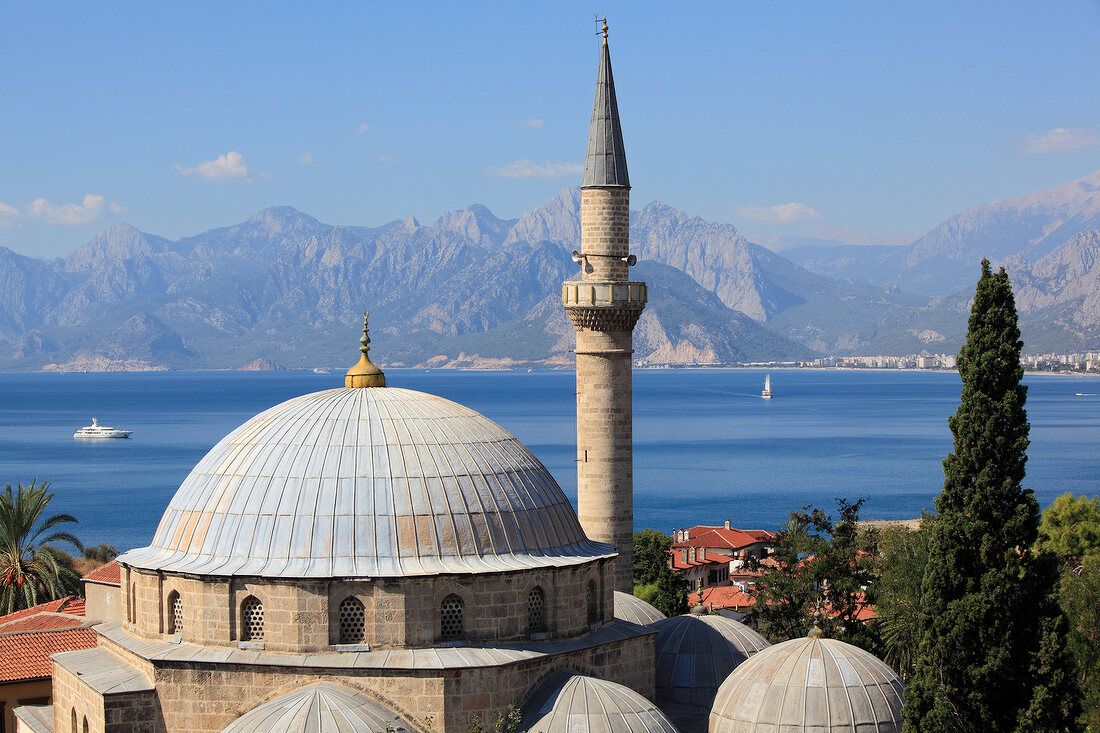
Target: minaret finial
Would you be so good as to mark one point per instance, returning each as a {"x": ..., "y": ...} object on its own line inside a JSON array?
[
  {"x": 604, "y": 30},
  {"x": 365, "y": 373}
]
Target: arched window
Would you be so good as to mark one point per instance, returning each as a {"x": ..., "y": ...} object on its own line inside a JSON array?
[
  {"x": 175, "y": 613},
  {"x": 85, "y": 724},
  {"x": 451, "y": 623},
  {"x": 593, "y": 603},
  {"x": 73, "y": 727},
  {"x": 536, "y": 610},
  {"x": 133, "y": 603},
  {"x": 353, "y": 621},
  {"x": 252, "y": 619}
]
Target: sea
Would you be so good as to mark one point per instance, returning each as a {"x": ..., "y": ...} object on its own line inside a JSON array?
[{"x": 707, "y": 447}]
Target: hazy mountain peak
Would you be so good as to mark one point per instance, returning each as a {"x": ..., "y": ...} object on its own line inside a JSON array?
[
  {"x": 557, "y": 221},
  {"x": 476, "y": 223},
  {"x": 276, "y": 219},
  {"x": 119, "y": 241}
]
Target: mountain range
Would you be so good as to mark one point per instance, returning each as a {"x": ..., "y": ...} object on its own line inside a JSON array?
[{"x": 471, "y": 289}]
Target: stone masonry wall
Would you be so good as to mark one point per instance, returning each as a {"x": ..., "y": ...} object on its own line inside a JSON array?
[
  {"x": 605, "y": 230},
  {"x": 302, "y": 616}
]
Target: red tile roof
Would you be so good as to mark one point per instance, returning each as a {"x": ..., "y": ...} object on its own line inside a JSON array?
[
  {"x": 69, "y": 604},
  {"x": 722, "y": 596},
  {"x": 27, "y": 656},
  {"x": 731, "y": 538},
  {"x": 108, "y": 574}
]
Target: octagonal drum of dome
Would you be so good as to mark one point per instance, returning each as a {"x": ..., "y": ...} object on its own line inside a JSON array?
[
  {"x": 322, "y": 708},
  {"x": 809, "y": 684},
  {"x": 695, "y": 654},
  {"x": 380, "y": 482},
  {"x": 635, "y": 610},
  {"x": 566, "y": 703}
]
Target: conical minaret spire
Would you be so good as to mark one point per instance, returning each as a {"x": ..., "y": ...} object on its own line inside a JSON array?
[
  {"x": 604, "y": 305},
  {"x": 605, "y": 161}
]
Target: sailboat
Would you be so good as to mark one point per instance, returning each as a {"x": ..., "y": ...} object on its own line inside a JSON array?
[{"x": 766, "y": 393}]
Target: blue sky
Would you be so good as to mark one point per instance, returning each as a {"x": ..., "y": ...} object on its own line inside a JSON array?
[{"x": 777, "y": 117}]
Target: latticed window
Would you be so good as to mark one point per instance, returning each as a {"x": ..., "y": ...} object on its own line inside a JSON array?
[
  {"x": 450, "y": 618},
  {"x": 252, "y": 619},
  {"x": 593, "y": 602},
  {"x": 175, "y": 613},
  {"x": 353, "y": 621},
  {"x": 536, "y": 610}
]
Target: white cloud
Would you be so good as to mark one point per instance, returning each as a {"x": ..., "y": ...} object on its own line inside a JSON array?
[
  {"x": 528, "y": 169},
  {"x": 363, "y": 127},
  {"x": 223, "y": 168},
  {"x": 533, "y": 123},
  {"x": 67, "y": 215},
  {"x": 8, "y": 216},
  {"x": 779, "y": 214},
  {"x": 306, "y": 159},
  {"x": 1061, "y": 140}
]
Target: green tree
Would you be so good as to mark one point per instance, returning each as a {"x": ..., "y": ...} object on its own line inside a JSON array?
[
  {"x": 31, "y": 570},
  {"x": 902, "y": 554},
  {"x": 1080, "y": 599},
  {"x": 989, "y": 620},
  {"x": 1070, "y": 527},
  {"x": 822, "y": 577},
  {"x": 654, "y": 581},
  {"x": 102, "y": 552}
]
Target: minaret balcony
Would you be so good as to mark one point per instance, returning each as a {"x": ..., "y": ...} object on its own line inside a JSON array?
[{"x": 604, "y": 306}]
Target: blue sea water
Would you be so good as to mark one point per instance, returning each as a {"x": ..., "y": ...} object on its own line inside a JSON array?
[{"x": 707, "y": 447}]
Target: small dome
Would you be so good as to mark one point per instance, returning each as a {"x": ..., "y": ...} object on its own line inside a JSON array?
[
  {"x": 358, "y": 483},
  {"x": 571, "y": 702},
  {"x": 324, "y": 708},
  {"x": 635, "y": 610},
  {"x": 809, "y": 684},
  {"x": 696, "y": 653}
]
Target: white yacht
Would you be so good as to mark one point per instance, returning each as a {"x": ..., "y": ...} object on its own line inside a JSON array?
[
  {"x": 95, "y": 430},
  {"x": 766, "y": 393}
]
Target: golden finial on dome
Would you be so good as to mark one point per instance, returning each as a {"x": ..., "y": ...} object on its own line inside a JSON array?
[
  {"x": 815, "y": 633},
  {"x": 365, "y": 373},
  {"x": 604, "y": 30}
]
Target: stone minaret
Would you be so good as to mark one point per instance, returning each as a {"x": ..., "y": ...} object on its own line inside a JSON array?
[{"x": 604, "y": 306}]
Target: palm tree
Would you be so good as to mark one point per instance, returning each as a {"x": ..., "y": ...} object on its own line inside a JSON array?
[{"x": 31, "y": 569}]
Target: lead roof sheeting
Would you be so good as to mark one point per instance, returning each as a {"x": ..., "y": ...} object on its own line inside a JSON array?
[
  {"x": 322, "y": 485},
  {"x": 635, "y": 610},
  {"x": 812, "y": 684},
  {"x": 566, "y": 703},
  {"x": 605, "y": 159},
  {"x": 319, "y": 707}
]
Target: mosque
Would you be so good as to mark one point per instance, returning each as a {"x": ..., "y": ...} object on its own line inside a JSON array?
[{"x": 373, "y": 558}]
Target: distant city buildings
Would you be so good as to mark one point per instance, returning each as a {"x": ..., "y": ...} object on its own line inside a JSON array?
[{"x": 1078, "y": 362}]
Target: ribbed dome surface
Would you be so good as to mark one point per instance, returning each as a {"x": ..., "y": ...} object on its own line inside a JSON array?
[
  {"x": 635, "y": 610},
  {"x": 376, "y": 482},
  {"x": 809, "y": 684},
  {"x": 319, "y": 708},
  {"x": 567, "y": 703},
  {"x": 695, "y": 654}
]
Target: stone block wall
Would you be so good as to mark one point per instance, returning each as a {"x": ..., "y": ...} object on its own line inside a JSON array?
[
  {"x": 302, "y": 616},
  {"x": 605, "y": 229}
]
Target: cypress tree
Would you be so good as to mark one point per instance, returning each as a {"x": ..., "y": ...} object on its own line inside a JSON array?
[{"x": 992, "y": 654}]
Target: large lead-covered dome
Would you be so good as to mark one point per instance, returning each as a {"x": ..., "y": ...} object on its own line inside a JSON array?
[{"x": 379, "y": 482}]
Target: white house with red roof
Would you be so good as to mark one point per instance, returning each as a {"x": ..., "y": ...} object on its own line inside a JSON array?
[{"x": 714, "y": 556}]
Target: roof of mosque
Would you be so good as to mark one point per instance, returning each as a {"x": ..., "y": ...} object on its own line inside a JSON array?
[
  {"x": 570, "y": 702},
  {"x": 319, "y": 707},
  {"x": 605, "y": 159},
  {"x": 367, "y": 482},
  {"x": 809, "y": 684},
  {"x": 634, "y": 609},
  {"x": 695, "y": 653}
]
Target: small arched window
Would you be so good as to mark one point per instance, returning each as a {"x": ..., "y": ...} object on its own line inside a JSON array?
[
  {"x": 353, "y": 621},
  {"x": 73, "y": 726},
  {"x": 593, "y": 603},
  {"x": 85, "y": 724},
  {"x": 133, "y": 603},
  {"x": 252, "y": 619},
  {"x": 536, "y": 610},
  {"x": 451, "y": 622},
  {"x": 175, "y": 613}
]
